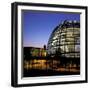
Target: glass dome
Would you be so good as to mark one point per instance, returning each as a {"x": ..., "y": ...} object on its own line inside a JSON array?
[{"x": 65, "y": 40}]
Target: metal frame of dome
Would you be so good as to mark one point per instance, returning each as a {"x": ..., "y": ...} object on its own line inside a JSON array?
[{"x": 65, "y": 40}]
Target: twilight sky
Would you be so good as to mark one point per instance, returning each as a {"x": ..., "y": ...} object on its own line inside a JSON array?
[{"x": 37, "y": 26}]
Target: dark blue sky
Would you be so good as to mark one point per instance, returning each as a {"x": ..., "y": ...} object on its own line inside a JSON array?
[{"x": 38, "y": 25}]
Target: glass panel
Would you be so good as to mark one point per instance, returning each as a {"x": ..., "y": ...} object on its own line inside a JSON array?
[
  {"x": 62, "y": 49},
  {"x": 69, "y": 29},
  {"x": 70, "y": 55},
  {"x": 77, "y": 55},
  {"x": 76, "y": 35},
  {"x": 63, "y": 30},
  {"x": 62, "y": 40},
  {"x": 69, "y": 43},
  {"x": 77, "y": 40},
  {"x": 76, "y": 32},
  {"x": 62, "y": 43},
  {"x": 69, "y": 34},
  {"x": 63, "y": 36},
  {"x": 77, "y": 48},
  {"x": 69, "y": 48},
  {"x": 69, "y": 39}
]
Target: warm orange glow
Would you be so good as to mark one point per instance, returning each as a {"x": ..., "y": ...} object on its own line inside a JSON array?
[{"x": 44, "y": 64}]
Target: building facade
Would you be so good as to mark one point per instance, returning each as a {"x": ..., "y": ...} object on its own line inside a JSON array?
[{"x": 30, "y": 52}]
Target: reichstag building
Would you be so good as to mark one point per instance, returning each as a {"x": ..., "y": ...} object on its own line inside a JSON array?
[{"x": 65, "y": 40}]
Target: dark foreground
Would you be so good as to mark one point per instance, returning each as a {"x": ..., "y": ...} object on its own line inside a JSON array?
[
  {"x": 33, "y": 73},
  {"x": 33, "y": 68}
]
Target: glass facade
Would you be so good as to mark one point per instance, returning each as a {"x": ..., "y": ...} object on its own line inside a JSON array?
[{"x": 65, "y": 40}]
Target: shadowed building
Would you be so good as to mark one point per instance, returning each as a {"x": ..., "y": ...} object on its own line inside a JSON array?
[{"x": 30, "y": 52}]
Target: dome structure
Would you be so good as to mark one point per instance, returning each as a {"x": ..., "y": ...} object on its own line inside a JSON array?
[{"x": 65, "y": 40}]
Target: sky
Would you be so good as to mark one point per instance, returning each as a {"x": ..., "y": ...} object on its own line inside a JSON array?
[{"x": 37, "y": 26}]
